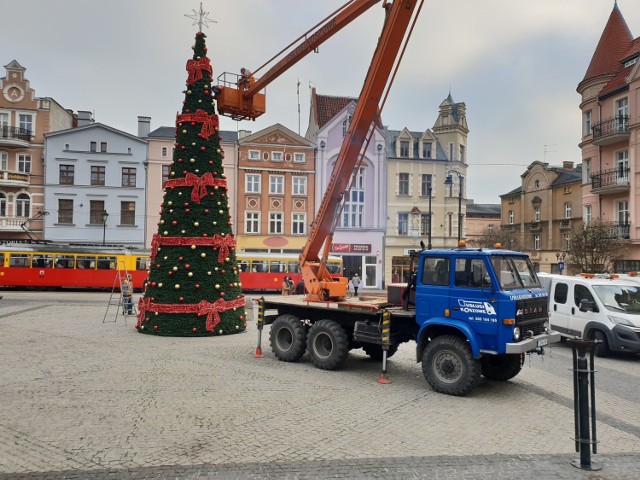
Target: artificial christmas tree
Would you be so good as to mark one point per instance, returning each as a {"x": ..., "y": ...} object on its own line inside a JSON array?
[{"x": 194, "y": 284}]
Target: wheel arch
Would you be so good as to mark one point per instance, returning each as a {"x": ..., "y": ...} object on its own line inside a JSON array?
[{"x": 437, "y": 327}]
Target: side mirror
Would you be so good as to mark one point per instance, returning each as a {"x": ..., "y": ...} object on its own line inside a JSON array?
[{"x": 587, "y": 305}]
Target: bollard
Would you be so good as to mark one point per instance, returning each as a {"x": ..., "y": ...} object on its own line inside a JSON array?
[
  {"x": 385, "y": 337},
  {"x": 260, "y": 325},
  {"x": 583, "y": 375}
]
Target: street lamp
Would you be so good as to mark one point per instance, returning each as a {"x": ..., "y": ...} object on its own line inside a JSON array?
[
  {"x": 560, "y": 257},
  {"x": 105, "y": 215},
  {"x": 146, "y": 196},
  {"x": 429, "y": 225},
  {"x": 449, "y": 181}
]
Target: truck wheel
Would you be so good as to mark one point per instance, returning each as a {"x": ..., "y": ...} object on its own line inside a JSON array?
[
  {"x": 288, "y": 338},
  {"x": 375, "y": 351},
  {"x": 602, "y": 349},
  {"x": 501, "y": 367},
  {"x": 327, "y": 344},
  {"x": 449, "y": 366}
]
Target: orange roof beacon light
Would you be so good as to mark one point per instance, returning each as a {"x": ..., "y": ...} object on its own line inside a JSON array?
[
  {"x": 462, "y": 244},
  {"x": 498, "y": 245}
]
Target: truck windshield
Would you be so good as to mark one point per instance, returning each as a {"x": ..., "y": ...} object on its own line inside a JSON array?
[
  {"x": 619, "y": 298},
  {"x": 514, "y": 272}
]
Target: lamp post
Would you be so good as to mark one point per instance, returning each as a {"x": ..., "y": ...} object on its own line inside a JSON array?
[
  {"x": 146, "y": 196},
  {"x": 449, "y": 181},
  {"x": 429, "y": 225},
  {"x": 560, "y": 257},
  {"x": 105, "y": 215}
]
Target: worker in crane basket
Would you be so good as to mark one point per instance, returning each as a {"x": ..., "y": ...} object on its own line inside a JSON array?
[{"x": 246, "y": 78}]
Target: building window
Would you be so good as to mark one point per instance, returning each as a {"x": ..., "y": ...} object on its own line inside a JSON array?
[
  {"x": 586, "y": 123},
  {"x": 165, "y": 173},
  {"x": 252, "y": 183},
  {"x": 587, "y": 214},
  {"x": 345, "y": 125},
  {"x": 452, "y": 152},
  {"x": 252, "y": 222},
  {"x": 3, "y": 205},
  {"x": 403, "y": 223},
  {"x": 299, "y": 158},
  {"x": 299, "y": 186},
  {"x": 93, "y": 146},
  {"x": 276, "y": 184},
  {"x": 586, "y": 170},
  {"x": 275, "y": 223},
  {"x": 128, "y": 177},
  {"x": 66, "y": 174},
  {"x": 254, "y": 155},
  {"x": 425, "y": 185},
  {"x": 103, "y": 147},
  {"x": 96, "y": 208},
  {"x": 277, "y": 157},
  {"x": 536, "y": 241},
  {"x": 511, "y": 217},
  {"x": 164, "y": 151},
  {"x": 4, "y": 161},
  {"x": 426, "y": 150},
  {"x": 463, "y": 153},
  {"x": 490, "y": 227},
  {"x": 622, "y": 114},
  {"x": 65, "y": 211},
  {"x": 567, "y": 210},
  {"x": 97, "y": 175},
  {"x": 403, "y": 184},
  {"x": 424, "y": 224},
  {"x": 127, "y": 213},
  {"x": 536, "y": 213},
  {"x": 4, "y": 119},
  {"x": 622, "y": 167},
  {"x": 622, "y": 212},
  {"x": 23, "y": 205},
  {"x": 298, "y": 222},
  {"x": 26, "y": 123},
  {"x": 404, "y": 148},
  {"x": 24, "y": 163},
  {"x": 567, "y": 241},
  {"x": 353, "y": 209}
]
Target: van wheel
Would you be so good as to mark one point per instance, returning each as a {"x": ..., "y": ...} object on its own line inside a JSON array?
[
  {"x": 501, "y": 367},
  {"x": 602, "y": 348},
  {"x": 449, "y": 367},
  {"x": 327, "y": 344},
  {"x": 375, "y": 351},
  {"x": 288, "y": 338}
]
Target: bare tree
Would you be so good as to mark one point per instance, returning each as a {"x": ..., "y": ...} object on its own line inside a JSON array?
[
  {"x": 488, "y": 238},
  {"x": 596, "y": 246}
]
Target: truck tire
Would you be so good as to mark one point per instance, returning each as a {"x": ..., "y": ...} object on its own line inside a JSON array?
[
  {"x": 449, "y": 367},
  {"x": 327, "y": 344},
  {"x": 501, "y": 367},
  {"x": 602, "y": 349},
  {"x": 288, "y": 338},
  {"x": 375, "y": 351}
]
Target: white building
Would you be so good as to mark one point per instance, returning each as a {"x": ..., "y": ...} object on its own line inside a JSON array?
[{"x": 95, "y": 185}]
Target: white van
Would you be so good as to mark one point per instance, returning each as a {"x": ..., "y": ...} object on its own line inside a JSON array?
[{"x": 595, "y": 307}]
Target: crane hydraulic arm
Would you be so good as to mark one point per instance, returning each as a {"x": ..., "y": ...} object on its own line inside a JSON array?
[
  {"x": 318, "y": 282},
  {"x": 240, "y": 98}
]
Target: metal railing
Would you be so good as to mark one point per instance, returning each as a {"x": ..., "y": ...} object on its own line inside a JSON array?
[
  {"x": 15, "y": 133},
  {"x": 609, "y": 178},
  {"x": 611, "y": 126}
]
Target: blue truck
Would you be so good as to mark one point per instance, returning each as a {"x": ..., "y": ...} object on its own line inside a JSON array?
[{"x": 472, "y": 312}]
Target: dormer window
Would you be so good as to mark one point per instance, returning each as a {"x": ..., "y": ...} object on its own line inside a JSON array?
[{"x": 404, "y": 148}]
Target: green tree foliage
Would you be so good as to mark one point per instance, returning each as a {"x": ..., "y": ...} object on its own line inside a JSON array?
[
  {"x": 194, "y": 284},
  {"x": 595, "y": 246}
]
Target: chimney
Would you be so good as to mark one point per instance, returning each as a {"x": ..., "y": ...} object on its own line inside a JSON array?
[
  {"x": 85, "y": 118},
  {"x": 243, "y": 133},
  {"x": 567, "y": 165},
  {"x": 144, "y": 126}
]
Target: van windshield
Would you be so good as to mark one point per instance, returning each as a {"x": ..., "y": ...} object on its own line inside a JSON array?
[
  {"x": 514, "y": 272},
  {"x": 619, "y": 298}
]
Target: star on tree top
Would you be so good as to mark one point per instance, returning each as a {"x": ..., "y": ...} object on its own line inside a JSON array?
[{"x": 200, "y": 18}]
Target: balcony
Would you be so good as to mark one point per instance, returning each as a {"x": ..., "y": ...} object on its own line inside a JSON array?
[
  {"x": 14, "y": 179},
  {"x": 535, "y": 226},
  {"x": 565, "y": 224},
  {"x": 14, "y": 137},
  {"x": 619, "y": 230},
  {"x": 12, "y": 224},
  {"x": 610, "y": 181},
  {"x": 612, "y": 130}
]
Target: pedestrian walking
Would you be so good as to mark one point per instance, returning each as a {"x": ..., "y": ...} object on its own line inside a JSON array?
[{"x": 355, "y": 281}]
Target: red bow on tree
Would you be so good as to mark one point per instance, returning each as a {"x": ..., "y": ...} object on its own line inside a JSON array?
[{"x": 196, "y": 67}]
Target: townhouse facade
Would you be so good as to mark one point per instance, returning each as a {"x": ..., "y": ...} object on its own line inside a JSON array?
[
  {"x": 610, "y": 107},
  {"x": 24, "y": 120},
  {"x": 359, "y": 236},
  {"x": 543, "y": 210},
  {"x": 276, "y": 189},
  {"x": 160, "y": 147},
  {"x": 481, "y": 218},
  {"x": 95, "y": 185},
  {"x": 426, "y": 185}
]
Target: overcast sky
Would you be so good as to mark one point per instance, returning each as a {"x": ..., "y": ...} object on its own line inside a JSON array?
[{"x": 515, "y": 65}]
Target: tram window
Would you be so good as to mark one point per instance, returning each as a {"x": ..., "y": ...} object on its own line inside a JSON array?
[
  {"x": 85, "y": 262},
  {"x": 142, "y": 263},
  {"x": 106, "y": 263},
  {"x": 244, "y": 266},
  {"x": 333, "y": 268},
  {"x": 277, "y": 267},
  {"x": 259, "y": 266},
  {"x": 1, "y": 259},
  {"x": 64, "y": 261},
  {"x": 43, "y": 261},
  {"x": 293, "y": 267},
  {"x": 19, "y": 260}
]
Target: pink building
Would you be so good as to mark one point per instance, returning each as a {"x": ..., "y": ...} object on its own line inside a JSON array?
[{"x": 611, "y": 135}]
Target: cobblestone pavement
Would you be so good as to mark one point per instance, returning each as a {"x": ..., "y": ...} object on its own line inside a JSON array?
[{"x": 80, "y": 398}]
